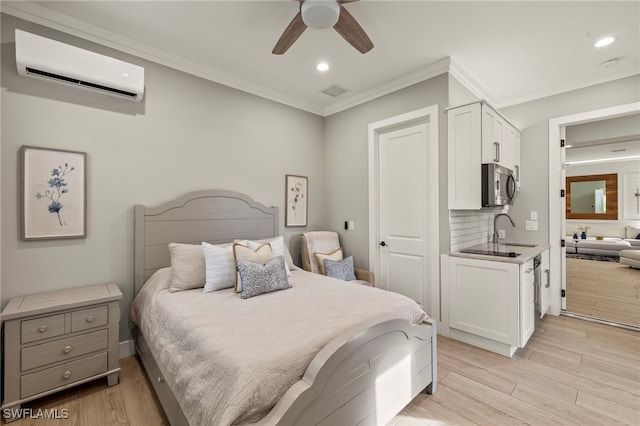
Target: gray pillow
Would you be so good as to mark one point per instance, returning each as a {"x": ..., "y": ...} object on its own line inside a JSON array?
[
  {"x": 259, "y": 279},
  {"x": 340, "y": 269}
]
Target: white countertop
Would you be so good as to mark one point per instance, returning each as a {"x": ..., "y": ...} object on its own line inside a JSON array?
[{"x": 523, "y": 253}]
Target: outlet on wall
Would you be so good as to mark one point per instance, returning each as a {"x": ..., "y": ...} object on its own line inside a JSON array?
[
  {"x": 531, "y": 225},
  {"x": 501, "y": 233}
]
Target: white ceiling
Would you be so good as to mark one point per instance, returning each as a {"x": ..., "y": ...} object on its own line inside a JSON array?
[
  {"x": 610, "y": 140},
  {"x": 507, "y": 51}
]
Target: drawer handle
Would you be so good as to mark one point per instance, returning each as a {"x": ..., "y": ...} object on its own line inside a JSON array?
[
  {"x": 43, "y": 328},
  {"x": 67, "y": 349},
  {"x": 90, "y": 318},
  {"x": 66, "y": 375}
]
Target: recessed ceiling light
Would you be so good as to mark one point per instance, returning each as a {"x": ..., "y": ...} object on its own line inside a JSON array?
[
  {"x": 322, "y": 66},
  {"x": 605, "y": 41}
]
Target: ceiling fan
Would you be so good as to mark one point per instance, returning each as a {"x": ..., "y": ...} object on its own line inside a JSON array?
[{"x": 321, "y": 14}]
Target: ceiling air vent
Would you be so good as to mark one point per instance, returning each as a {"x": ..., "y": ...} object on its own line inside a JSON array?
[{"x": 334, "y": 91}]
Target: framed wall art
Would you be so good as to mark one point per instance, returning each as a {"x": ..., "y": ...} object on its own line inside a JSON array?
[
  {"x": 54, "y": 193},
  {"x": 296, "y": 201}
]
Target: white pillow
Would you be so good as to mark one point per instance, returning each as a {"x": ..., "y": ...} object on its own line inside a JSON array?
[
  {"x": 278, "y": 248},
  {"x": 334, "y": 255},
  {"x": 187, "y": 266},
  {"x": 631, "y": 232},
  {"x": 261, "y": 255},
  {"x": 220, "y": 266}
]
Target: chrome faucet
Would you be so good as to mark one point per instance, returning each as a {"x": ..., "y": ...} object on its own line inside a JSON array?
[{"x": 495, "y": 228}]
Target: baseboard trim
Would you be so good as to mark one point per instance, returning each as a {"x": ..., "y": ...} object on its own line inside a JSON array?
[{"x": 127, "y": 348}]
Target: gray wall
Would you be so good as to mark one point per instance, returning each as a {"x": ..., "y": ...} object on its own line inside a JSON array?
[
  {"x": 346, "y": 161},
  {"x": 187, "y": 134},
  {"x": 533, "y": 119}
]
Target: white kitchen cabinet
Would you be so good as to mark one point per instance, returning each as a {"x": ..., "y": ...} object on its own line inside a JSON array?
[
  {"x": 491, "y": 303},
  {"x": 513, "y": 152},
  {"x": 494, "y": 137},
  {"x": 477, "y": 134},
  {"x": 527, "y": 314},
  {"x": 543, "y": 299},
  {"x": 464, "y": 147}
]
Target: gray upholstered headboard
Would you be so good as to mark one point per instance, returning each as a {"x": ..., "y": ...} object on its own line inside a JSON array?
[{"x": 214, "y": 216}]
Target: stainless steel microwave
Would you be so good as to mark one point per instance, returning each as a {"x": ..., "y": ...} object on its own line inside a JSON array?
[{"x": 498, "y": 185}]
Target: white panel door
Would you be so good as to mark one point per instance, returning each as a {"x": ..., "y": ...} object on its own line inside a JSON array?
[{"x": 403, "y": 210}]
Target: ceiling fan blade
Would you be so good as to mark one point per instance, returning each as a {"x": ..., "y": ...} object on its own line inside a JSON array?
[
  {"x": 290, "y": 35},
  {"x": 351, "y": 31}
]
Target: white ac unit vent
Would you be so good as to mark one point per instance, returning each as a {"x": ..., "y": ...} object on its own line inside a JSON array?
[{"x": 45, "y": 59}]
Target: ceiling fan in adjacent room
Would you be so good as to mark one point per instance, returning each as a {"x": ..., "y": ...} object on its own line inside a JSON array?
[{"x": 321, "y": 14}]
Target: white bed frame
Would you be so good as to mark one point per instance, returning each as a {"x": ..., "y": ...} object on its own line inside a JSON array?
[{"x": 364, "y": 376}]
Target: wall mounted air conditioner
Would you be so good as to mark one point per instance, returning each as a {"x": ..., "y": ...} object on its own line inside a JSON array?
[{"x": 46, "y": 59}]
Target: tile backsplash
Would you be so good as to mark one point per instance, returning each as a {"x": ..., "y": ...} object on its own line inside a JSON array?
[{"x": 470, "y": 227}]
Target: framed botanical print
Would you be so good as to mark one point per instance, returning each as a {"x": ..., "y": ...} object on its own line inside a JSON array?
[
  {"x": 296, "y": 201},
  {"x": 53, "y": 193}
]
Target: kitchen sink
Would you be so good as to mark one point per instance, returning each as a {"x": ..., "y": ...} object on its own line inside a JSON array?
[
  {"x": 490, "y": 252},
  {"x": 518, "y": 244}
]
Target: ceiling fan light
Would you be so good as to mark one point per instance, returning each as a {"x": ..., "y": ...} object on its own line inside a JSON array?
[{"x": 320, "y": 14}]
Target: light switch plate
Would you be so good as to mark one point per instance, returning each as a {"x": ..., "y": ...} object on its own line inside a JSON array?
[
  {"x": 531, "y": 225},
  {"x": 352, "y": 225}
]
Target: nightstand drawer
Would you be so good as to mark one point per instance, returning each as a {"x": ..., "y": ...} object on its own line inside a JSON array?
[
  {"x": 46, "y": 353},
  {"x": 88, "y": 318},
  {"x": 42, "y": 328},
  {"x": 62, "y": 375}
]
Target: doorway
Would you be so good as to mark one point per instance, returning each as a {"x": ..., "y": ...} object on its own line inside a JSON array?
[
  {"x": 557, "y": 226},
  {"x": 403, "y": 206}
]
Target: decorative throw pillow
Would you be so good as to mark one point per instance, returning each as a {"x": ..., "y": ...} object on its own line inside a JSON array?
[
  {"x": 259, "y": 279},
  {"x": 334, "y": 255},
  {"x": 260, "y": 255},
  {"x": 187, "y": 266},
  {"x": 278, "y": 248},
  {"x": 340, "y": 269},
  {"x": 220, "y": 266},
  {"x": 631, "y": 231}
]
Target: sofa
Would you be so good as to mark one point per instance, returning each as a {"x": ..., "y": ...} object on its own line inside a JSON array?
[
  {"x": 615, "y": 238},
  {"x": 630, "y": 258}
]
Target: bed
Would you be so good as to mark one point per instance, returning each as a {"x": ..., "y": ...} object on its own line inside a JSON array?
[{"x": 327, "y": 359}]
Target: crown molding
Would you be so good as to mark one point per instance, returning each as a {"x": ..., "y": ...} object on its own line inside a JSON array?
[
  {"x": 625, "y": 70},
  {"x": 432, "y": 70},
  {"x": 48, "y": 18},
  {"x": 51, "y": 19}
]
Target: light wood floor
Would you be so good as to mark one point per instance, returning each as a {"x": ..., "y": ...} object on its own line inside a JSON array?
[
  {"x": 605, "y": 290},
  {"x": 572, "y": 372}
]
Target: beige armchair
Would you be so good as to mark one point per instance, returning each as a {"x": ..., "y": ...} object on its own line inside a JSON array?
[{"x": 326, "y": 243}]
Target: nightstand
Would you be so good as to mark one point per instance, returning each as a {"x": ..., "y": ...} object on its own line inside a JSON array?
[{"x": 57, "y": 340}]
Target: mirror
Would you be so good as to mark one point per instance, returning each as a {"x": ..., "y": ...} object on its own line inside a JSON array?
[{"x": 593, "y": 197}]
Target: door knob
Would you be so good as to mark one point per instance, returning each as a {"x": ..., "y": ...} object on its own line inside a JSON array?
[{"x": 383, "y": 244}]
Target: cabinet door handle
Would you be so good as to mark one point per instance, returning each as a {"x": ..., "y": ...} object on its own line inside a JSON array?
[
  {"x": 530, "y": 270},
  {"x": 66, "y": 375},
  {"x": 43, "y": 328},
  {"x": 160, "y": 379},
  {"x": 496, "y": 157},
  {"x": 90, "y": 318},
  {"x": 548, "y": 284},
  {"x": 67, "y": 349}
]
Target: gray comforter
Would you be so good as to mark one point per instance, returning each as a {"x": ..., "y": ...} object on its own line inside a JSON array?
[{"x": 230, "y": 360}]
